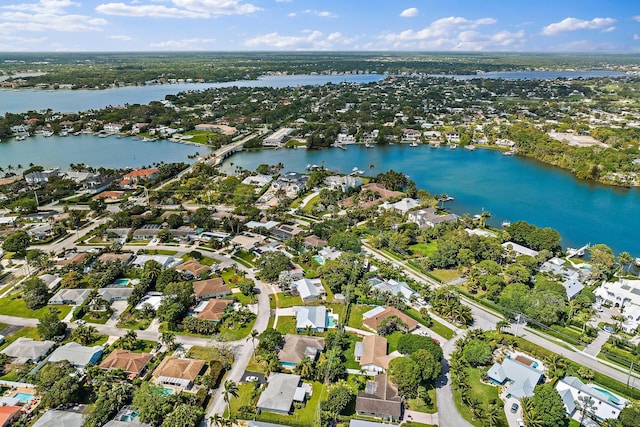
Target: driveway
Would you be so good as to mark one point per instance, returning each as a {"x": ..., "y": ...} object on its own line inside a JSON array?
[
  {"x": 118, "y": 307},
  {"x": 512, "y": 418}
]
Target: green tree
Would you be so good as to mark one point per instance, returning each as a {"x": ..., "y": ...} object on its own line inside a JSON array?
[
  {"x": 175, "y": 221},
  {"x": 548, "y": 404},
  {"x": 430, "y": 367},
  {"x": 411, "y": 343},
  {"x": 56, "y": 385},
  {"x": 50, "y": 326},
  {"x": 477, "y": 352},
  {"x": 151, "y": 404},
  {"x": 339, "y": 396},
  {"x": 35, "y": 293},
  {"x": 405, "y": 373},
  {"x": 183, "y": 415},
  {"x": 17, "y": 242},
  {"x": 230, "y": 390},
  {"x": 271, "y": 264},
  {"x": 85, "y": 334},
  {"x": 630, "y": 415}
]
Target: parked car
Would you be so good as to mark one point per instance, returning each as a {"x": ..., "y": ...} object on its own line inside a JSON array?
[
  {"x": 520, "y": 422},
  {"x": 251, "y": 378},
  {"x": 81, "y": 322},
  {"x": 514, "y": 408}
]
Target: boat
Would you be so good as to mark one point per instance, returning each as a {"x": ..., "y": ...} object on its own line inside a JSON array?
[
  {"x": 453, "y": 146},
  {"x": 64, "y": 133},
  {"x": 103, "y": 135},
  {"x": 470, "y": 147},
  {"x": 575, "y": 252},
  {"x": 47, "y": 134},
  {"x": 507, "y": 153},
  {"x": 413, "y": 144},
  {"x": 77, "y": 133},
  {"x": 391, "y": 143},
  {"x": 435, "y": 145},
  {"x": 506, "y": 223},
  {"x": 20, "y": 138},
  {"x": 367, "y": 145},
  {"x": 638, "y": 262}
]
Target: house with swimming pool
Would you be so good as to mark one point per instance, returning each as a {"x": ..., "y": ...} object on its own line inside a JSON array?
[
  {"x": 297, "y": 347},
  {"x": 605, "y": 404},
  {"x": 518, "y": 374},
  {"x": 318, "y": 319}
]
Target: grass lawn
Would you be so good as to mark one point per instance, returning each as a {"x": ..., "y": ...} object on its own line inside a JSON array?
[
  {"x": 241, "y": 261},
  {"x": 14, "y": 306},
  {"x": 339, "y": 309},
  {"x": 286, "y": 325},
  {"x": 244, "y": 398},
  {"x": 244, "y": 299},
  {"x": 393, "y": 341},
  {"x": 129, "y": 321},
  {"x": 287, "y": 300},
  {"x": 441, "y": 330},
  {"x": 159, "y": 251},
  {"x": 96, "y": 317},
  {"x": 272, "y": 302},
  {"x": 355, "y": 317},
  {"x": 351, "y": 359},
  {"x": 308, "y": 208},
  {"x": 445, "y": 275},
  {"x": 423, "y": 249},
  {"x": 245, "y": 256},
  {"x": 236, "y": 334},
  {"x": 485, "y": 394},
  {"x": 416, "y": 424}
]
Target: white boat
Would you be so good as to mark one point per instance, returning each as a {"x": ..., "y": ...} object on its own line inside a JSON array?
[
  {"x": 103, "y": 135},
  {"x": 575, "y": 252},
  {"x": 413, "y": 144},
  {"x": 453, "y": 146},
  {"x": 20, "y": 138},
  {"x": 64, "y": 133},
  {"x": 506, "y": 223},
  {"x": 367, "y": 145},
  {"x": 507, "y": 153},
  {"x": 638, "y": 262},
  {"x": 391, "y": 143},
  {"x": 470, "y": 147},
  {"x": 47, "y": 134},
  {"x": 435, "y": 145}
]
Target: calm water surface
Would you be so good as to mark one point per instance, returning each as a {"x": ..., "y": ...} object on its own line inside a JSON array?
[
  {"x": 510, "y": 188},
  {"x": 91, "y": 150}
]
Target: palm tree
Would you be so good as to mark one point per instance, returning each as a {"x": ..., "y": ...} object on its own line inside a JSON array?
[
  {"x": 529, "y": 414},
  {"x": 305, "y": 368},
  {"x": 129, "y": 340},
  {"x": 502, "y": 324},
  {"x": 230, "y": 389},
  {"x": 492, "y": 414},
  {"x": 484, "y": 216},
  {"x": 254, "y": 335},
  {"x": 586, "y": 405},
  {"x": 624, "y": 260},
  {"x": 168, "y": 339}
]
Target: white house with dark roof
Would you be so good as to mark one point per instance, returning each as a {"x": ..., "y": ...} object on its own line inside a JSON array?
[{"x": 605, "y": 403}]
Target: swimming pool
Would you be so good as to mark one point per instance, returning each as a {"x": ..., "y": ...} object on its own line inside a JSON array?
[
  {"x": 127, "y": 418},
  {"x": 331, "y": 321},
  {"x": 318, "y": 259},
  {"x": 122, "y": 282},
  {"x": 166, "y": 391},
  {"x": 23, "y": 397},
  {"x": 612, "y": 397}
]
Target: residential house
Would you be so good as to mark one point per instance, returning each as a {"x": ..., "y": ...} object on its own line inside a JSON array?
[
  {"x": 297, "y": 347},
  {"x": 61, "y": 418},
  {"x": 132, "y": 363},
  {"x": 452, "y": 137},
  {"x": 210, "y": 288},
  {"x": 286, "y": 231},
  {"x": 164, "y": 260},
  {"x": 39, "y": 177},
  {"x": 192, "y": 269},
  {"x": 125, "y": 259},
  {"x": 605, "y": 404},
  {"x": 403, "y": 206},
  {"x": 623, "y": 294},
  {"x": 282, "y": 390},
  {"x": 314, "y": 241},
  {"x": 25, "y": 350},
  {"x": 329, "y": 253},
  {"x": 139, "y": 175},
  {"x": 342, "y": 183},
  {"x": 309, "y": 289},
  {"x": 40, "y": 232},
  {"x": 8, "y": 414},
  {"x": 76, "y": 259},
  {"x": 411, "y": 135},
  {"x": 253, "y": 225},
  {"x": 112, "y": 127},
  {"x": 429, "y": 217},
  {"x": 51, "y": 280},
  {"x": 258, "y": 181},
  {"x": 245, "y": 242},
  {"x": 395, "y": 288},
  {"x": 115, "y": 293},
  {"x": 214, "y": 309},
  {"x": 571, "y": 278},
  {"x": 315, "y": 318},
  {"x": 372, "y": 354},
  {"x": 519, "y": 249},
  {"x": 291, "y": 182},
  {"x": 517, "y": 375},
  {"x": 70, "y": 296},
  {"x": 178, "y": 371},
  {"x": 373, "y": 322},
  {"x": 147, "y": 232},
  {"x": 150, "y": 299},
  {"x": 380, "y": 399},
  {"x": 78, "y": 355}
]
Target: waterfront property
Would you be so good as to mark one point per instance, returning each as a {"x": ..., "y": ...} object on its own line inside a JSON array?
[
  {"x": 623, "y": 294},
  {"x": 605, "y": 404}
]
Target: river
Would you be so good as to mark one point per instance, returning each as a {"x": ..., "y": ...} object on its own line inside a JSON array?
[
  {"x": 510, "y": 188},
  {"x": 110, "y": 152}
]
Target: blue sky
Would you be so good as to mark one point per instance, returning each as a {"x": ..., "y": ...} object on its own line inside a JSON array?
[{"x": 228, "y": 25}]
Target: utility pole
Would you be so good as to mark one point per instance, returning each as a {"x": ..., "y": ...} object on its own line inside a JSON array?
[{"x": 517, "y": 324}]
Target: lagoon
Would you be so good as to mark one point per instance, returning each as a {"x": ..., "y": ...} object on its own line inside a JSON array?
[
  {"x": 72, "y": 101},
  {"x": 110, "y": 152},
  {"x": 509, "y": 187}
]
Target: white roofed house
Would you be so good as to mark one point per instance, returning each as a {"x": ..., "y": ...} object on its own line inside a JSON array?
[
  {"x": 518, "y": 375},
  {"x": 623, "y": 294},
  {"x": 28, "y": 350},
  {"x": 309, "y": 289},
  {"x": 277, "y": 138},
  {"x": 78, "y": 355},
  {"x": 429, "y": 217},
  {"x": 70, "y": 296},
  {"x": 315, "y": 318},
  {"x": 394, "y": 287},
  {"x": 282, "y": 390},
  {"x": 519, "y": 249},
  {"x": 402, "y": 206},
  {"x": 342, "y": 183},
  {"x": 605, "y": 404},
  {"x": 569, "y": 276}
]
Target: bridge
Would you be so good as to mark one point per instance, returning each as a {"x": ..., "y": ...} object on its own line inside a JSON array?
[{"x": 218, "y": 156}]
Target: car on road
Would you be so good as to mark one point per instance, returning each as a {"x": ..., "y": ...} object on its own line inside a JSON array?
[
  {"x": 514, "y": 408},
  {"x": 81, "y": 322},
  {"x": 251, "y": 378}
]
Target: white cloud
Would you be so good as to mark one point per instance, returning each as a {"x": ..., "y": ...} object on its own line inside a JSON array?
[
  {"x": 410, "y": 13},
  {"x": 190, "y": 44},
  {"x": 120, "y": 37},
  {"x": 180, "y": 9},
  {"x": 320, "y": 13},
  {"x": 608, "y": 30},
  {"x": 45, "y": 15},
  {"x": 636, "y": 18},
  {"x": 292, "y": 14},
  {"x": 575, "y": 24},
  {"x": 310, "y": 40},
  {"x": 636, "y": 36}
]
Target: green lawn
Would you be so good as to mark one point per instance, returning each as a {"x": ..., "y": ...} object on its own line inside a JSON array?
[
  {"x": 339, "y": 309},
  {"x": 96, "y": 317},
  {"x": 349, "y": 353},
  {"x": 393, "y": 341},
  {"x": 423, "y": 249},
  {"x": 355, "y": 316},
  {"x": 441, "y": 330},
  {"x": 129, "y": 321},
  {"x": 286, "y": 325},
  {"x": 288, "y": 300},
  {"x": 236, "y": 334},
  {"x": 308, "y": 208},
  {"x": 445, "y": 276},
  {"x": 246, "y": 257},
  {"x": 485, "y": 394},
  {"x": 244, "y": 299},
  {"x": 14, "y": 306}
]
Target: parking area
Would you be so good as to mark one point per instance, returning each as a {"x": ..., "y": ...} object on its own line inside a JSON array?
[{"x": 253, "y": 377}]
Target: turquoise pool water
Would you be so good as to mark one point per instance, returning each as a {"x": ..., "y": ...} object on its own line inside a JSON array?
[
  {"x": 23, "y": 397},
  {"x": 612, "y": 398},
  {"x": 288, "y": 365},
  {"x": 318, "y": 259},
  {"x": 127, "y": 418},
  {"x": 166, "y": 391},
  {"x": 331, "y": 321},
  {"x": 122, "y": 282}
]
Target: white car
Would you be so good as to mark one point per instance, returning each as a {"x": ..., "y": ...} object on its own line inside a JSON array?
[
  {"x": 81, "y": 322},
  {"x": 520, "y": 422},
  {"x": 251, "y": 379}
]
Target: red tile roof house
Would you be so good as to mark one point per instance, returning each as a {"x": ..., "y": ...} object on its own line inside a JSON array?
[
  {"x": 210, "y": 288},
  {"x": 138, "y": 175}
]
